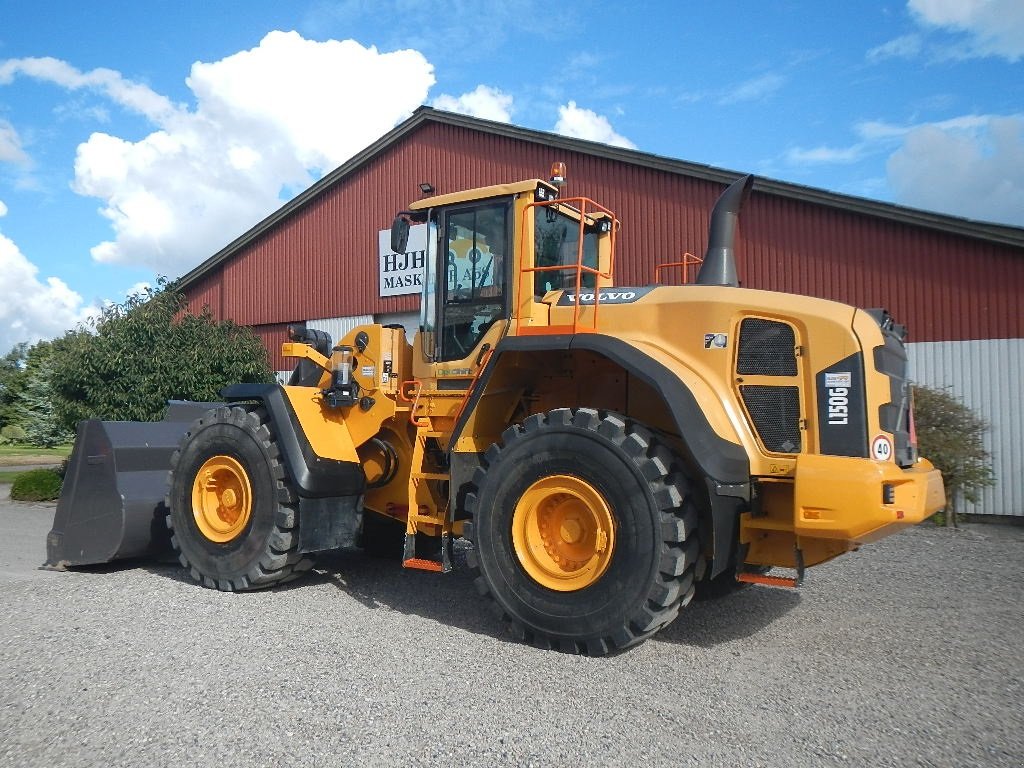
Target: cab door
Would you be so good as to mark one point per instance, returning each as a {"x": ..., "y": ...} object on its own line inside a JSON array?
[{"x": 473, "y": 288}]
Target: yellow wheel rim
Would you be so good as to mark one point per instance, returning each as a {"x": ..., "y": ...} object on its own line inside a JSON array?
[
  {"x": 563, "y": 533},
  {"x": 221, "y": 499}
]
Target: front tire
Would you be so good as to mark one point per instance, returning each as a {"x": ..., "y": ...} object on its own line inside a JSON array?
[
  {"x": 584, "y": 534},
  {"x": 233, "y": 512}
]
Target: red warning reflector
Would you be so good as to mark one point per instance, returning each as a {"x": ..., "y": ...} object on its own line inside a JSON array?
[
  {"x": 768, "y": 581},
  {"x": 422, "y": 564}
]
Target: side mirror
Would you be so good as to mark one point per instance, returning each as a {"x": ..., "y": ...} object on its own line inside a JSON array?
[{"x": 399, "y": 234}]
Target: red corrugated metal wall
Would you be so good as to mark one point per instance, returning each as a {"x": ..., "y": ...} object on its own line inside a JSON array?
[
  {"x": 322, "y": 261},
  {"x": 273, "y": 336},
  {"x": 208, "y": 292}
]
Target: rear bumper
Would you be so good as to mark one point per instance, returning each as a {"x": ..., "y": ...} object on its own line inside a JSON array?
[{"x": 860, "y": 500}]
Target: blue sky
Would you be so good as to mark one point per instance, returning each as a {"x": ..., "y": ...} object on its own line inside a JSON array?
[{"x": 137, "y": 139}]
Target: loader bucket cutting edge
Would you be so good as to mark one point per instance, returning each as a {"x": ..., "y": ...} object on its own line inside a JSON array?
[{"x": 112, "y": 504}]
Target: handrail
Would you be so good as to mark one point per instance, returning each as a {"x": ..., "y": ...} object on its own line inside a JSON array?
[
  {"x": 689, "y": 260},
  {"x": 413, "y": 398},
  {"x": 485, "y": 357}
]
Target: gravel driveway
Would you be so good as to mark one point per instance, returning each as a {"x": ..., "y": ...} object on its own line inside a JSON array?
[{"x": 907, "y": 653}]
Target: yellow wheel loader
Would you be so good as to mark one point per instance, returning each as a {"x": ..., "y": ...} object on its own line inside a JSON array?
[{"x": 607, "y": 450}]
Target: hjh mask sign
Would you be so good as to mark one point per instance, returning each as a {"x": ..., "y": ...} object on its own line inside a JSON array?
[{"x": 402, "y": 273}]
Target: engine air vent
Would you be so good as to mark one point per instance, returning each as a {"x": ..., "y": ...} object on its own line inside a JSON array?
[
  {"x": 775, "y": 412},
  {"x": 767, "y": 348}
]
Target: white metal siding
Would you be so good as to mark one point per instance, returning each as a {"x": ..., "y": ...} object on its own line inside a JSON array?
[
  {"x": 987, "y": 376},
  {"x": 411, "y": 321},
  {"x": 339, "y": 326}
]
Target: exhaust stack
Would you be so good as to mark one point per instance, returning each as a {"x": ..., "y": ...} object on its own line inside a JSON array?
[{"x": 719, "y": 267}]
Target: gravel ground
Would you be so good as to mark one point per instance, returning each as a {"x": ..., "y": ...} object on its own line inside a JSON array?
[{"x": 907, "y": 653}]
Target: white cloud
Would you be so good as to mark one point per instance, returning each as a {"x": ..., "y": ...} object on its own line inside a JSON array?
[
  {"x": 584, "y": 124},
  {"x": 969, "y": 165},
  {"x": 993, "y": 27},
  {"x": 139, "y": 289},
  {"x": 879, "y": 130},
  {"x": 10, "y": 145},
  {"x": 3, "y": 209},
  {"x": 904, "y": 47},
  {"x": 756, "y": 89},
  {"x": 134, "y": 96},
  {"x": 977, "y": 172},
  {"x": 272, "y": 118},
  {"x": 483, "y": 102},
  {"x": 825, "y": 155},
  {"x": 32, "y": 309}
]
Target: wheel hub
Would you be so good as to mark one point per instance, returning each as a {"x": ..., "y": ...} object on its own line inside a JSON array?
[
  {"x": 572, "y": 531},
  {"x": 221, "y": 499},
  {"x": 563, "y": 532}
]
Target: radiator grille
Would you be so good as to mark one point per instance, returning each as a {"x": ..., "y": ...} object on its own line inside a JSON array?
[
  {"x": 775, "y": 412},
  {"x": 767, "y": 348}
]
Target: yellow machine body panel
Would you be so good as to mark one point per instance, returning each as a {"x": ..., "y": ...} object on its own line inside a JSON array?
[
  {"x": 808, "y": 502},
  {"x": 381, "y": 360},
  {"x": 326, "y": 429},
  {"x": 837, "y": 497},
  {"x": 693, "y": 331}
]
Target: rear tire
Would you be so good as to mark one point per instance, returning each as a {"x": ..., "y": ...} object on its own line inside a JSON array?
[
  {"x": 233, "y": 512},
  {"x": 584, "y": 535}
]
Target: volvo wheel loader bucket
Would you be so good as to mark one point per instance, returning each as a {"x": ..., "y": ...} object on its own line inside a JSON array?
[{"x": 112, "y": 503}]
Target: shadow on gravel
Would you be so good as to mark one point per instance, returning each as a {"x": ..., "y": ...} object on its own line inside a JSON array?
[
  {"x": 451, "y": 599},
  {"x": 374, "y": 582},
  {"x": 378, "y": 582},
  {"x": 162, "y": 566},
  {"x": 707, "y": 623}
]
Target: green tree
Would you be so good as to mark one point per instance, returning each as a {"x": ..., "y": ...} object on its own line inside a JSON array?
[
  {"x": 12, "y": 383},
  {"x": 951, "y": 436},
  {"x": 35, "y": 402},
  {"x": 138, "y": 355}
]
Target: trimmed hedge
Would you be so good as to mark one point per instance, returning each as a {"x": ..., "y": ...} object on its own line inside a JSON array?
[{"x": 36, "y": 485}]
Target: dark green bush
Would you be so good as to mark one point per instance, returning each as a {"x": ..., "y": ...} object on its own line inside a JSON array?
[
  {"x": 140, "y": 354},
  {"x": 36, "y": 485},
  {"x": 124, "y": 366},
  {"x": 952, "y": 437},
  {"x": 12, "y": 433}
]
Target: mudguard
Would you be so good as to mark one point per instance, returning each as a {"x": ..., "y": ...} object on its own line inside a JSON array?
[
  {"x": 722, "y": 465},
  {"x": 315, "y": 477}
]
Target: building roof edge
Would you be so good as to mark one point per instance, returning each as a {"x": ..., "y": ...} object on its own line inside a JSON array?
[{"x": 981, "y": 230}]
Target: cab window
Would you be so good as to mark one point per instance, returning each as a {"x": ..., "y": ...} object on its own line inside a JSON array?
[
  {"x": 556, "y": 241},
  {"x": 475, "y": 276}
]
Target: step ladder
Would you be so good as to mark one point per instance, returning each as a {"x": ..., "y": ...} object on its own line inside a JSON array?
[
  {"x": 767, "y": 580},
  {"x": 422, "y": 514}
]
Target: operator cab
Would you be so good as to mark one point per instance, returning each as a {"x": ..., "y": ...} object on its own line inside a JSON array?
[{"x": 492, "y": 255}]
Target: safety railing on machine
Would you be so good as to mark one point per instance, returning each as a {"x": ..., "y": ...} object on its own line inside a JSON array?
[
  {"x": 588, "y": 212},
  {"x": 689, "y": 260}
]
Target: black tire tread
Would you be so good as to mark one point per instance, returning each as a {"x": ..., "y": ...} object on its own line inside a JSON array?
[
  {"x": 280, "y": 560},
  {"x": 672, "y": 588}
]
